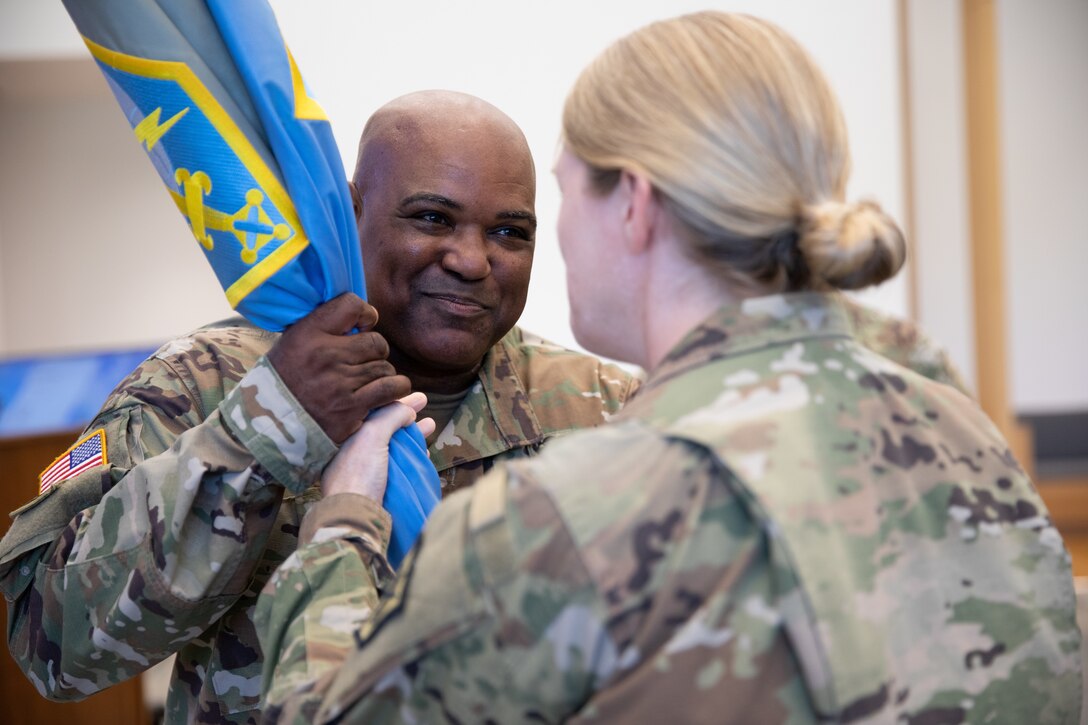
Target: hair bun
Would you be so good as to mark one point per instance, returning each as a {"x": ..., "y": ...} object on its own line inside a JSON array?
[{"x": 851, "y": 246}]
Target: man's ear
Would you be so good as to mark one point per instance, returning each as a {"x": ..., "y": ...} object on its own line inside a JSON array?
[
  {"x": 356, "y": 200},
  {"x": 641, "y": 207}
]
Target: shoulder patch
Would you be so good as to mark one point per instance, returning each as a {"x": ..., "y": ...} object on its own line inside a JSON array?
[{"x": 86, "y": 453}]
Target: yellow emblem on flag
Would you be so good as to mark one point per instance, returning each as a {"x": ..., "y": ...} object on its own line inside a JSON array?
[{"x": 237, "y": 207}]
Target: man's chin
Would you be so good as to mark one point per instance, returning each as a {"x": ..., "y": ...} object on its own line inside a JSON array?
[{"x": 450, "y": 353}]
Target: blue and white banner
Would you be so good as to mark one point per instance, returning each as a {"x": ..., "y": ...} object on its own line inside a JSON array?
[{"x": 216, "y": 100}]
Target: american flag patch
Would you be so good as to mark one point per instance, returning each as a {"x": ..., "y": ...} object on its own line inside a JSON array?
[{"x": 88, "y": 452}]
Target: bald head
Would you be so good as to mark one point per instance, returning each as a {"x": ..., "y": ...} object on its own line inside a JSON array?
[
  {"x": 439, "y": 119},
  {"x": 444, "y": 192}
]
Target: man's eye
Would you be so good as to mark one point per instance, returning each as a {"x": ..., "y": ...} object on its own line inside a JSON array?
[
  {"x": 433, "y": 217},
  {"x": 513, "y": 233}
]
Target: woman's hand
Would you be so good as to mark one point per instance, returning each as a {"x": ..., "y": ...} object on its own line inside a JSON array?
[{"x": 362, "y": 465}]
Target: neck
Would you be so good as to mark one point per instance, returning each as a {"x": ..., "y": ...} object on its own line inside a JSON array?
[
  {"x": 683, "y": 294},
  {"x": 430, "y": 380}
]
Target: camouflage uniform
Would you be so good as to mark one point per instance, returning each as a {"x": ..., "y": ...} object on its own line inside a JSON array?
[
  {"x": 902, "y": 341},
  {"x": 781, "y": 527},
  {"x": 167, "y": 546}
]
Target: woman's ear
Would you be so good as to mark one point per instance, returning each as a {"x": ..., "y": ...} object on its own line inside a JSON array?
[{"x": 641, "y": 208}]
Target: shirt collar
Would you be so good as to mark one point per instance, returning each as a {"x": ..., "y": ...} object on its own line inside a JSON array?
[
  {"x": 494, "y": 417},
  {"x": 754, "y": 324}
]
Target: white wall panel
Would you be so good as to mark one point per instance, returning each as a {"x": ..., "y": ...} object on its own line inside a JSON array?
[
  {"x": 941, "y": 243},
  {"x": 1043, "y": 71}
]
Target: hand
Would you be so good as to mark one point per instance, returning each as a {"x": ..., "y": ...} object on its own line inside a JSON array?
[
  {"x": 338, "y": 377},
  {"x": 362, "y": 465}
]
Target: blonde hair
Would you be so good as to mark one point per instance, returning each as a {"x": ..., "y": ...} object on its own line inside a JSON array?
[{"x": 740, "y": 134}]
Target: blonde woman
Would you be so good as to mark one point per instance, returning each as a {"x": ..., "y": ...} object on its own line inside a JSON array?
[{"x": 782, "y": 526}]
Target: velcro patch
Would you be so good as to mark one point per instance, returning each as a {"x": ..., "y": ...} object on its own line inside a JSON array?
[{"x": 88, "y": 452}]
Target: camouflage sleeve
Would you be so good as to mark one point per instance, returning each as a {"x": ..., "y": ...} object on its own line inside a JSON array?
[
  {"x": 318, "y": 598},
  {"x": 118, "y": 567},
  {"x": 617, "y": 387},
  {"x": 493, "y": 596}
]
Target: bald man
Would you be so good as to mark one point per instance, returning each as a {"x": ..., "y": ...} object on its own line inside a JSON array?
[{"x": 215, "y": 444}]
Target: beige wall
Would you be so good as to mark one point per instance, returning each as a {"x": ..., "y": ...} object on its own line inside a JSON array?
[
  {"x": 36, "y": 29},
  {"x": 93, "y": 253}
]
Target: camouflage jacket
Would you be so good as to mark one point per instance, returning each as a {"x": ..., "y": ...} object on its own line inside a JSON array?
[
  {"x": 781, "y": 527},
  {"x": 165, "y": 547},
  {"x": 902, "y": 341}
]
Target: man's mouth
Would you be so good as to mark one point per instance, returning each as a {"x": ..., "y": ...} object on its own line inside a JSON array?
[{"x": 458, "y": 304}]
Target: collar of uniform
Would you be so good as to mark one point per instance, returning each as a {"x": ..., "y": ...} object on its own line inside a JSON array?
[
  {"x": 754, "y": 324},
  {"x": 494, "y": 417}
]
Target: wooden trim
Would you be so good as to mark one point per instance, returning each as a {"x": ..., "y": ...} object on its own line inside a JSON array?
[
  {"x": 985, "y": 206},
  {"x": 22, "y": 440},
  {"x": 907, "y": 111},
  {"x": 985, "y": 203},
  {"x": 1067, "y": 501}
]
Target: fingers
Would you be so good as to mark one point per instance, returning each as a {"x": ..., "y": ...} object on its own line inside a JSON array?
[
  {"x": 361, "y": 356},
  {"x": 380, "y": 392},
  {"x": 353, "y": 377},
  {"x": 417, "y": 401},
  {"x": 362, "y": 465},
  {"x": 382, "y": 423},
  {"x": 426, "y": 426},
  {"x": 342, "y": 314},
  {"x": 338, "y": 377},
  {"x": 364, "y": 346},
  {"x": 388, "y": 419}
]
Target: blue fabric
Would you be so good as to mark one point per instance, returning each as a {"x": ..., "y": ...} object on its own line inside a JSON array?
[
  {"x": 59, "y": 392},
  {"x": 250, "y": 160},
  {"x": 304, "y": 151}
]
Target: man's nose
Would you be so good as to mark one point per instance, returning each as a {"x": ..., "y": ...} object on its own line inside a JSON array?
[{"x": 466, "y": 254}]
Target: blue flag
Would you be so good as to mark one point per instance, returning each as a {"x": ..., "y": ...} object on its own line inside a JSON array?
[{"x": 248, "y": 156}]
